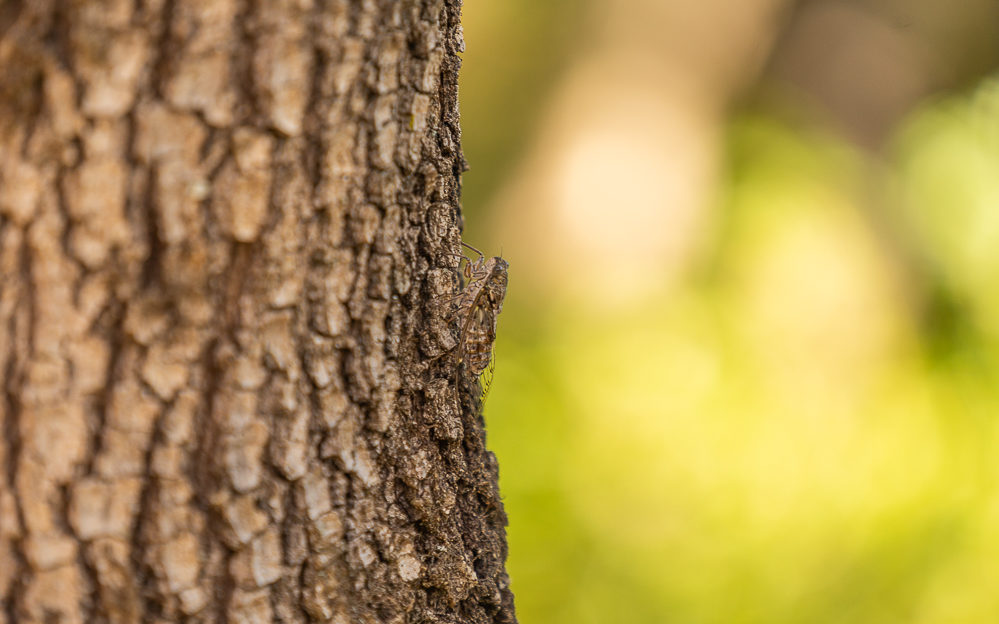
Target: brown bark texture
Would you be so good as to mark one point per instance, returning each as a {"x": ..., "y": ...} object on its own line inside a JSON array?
[{"x": 228, "y": 392}]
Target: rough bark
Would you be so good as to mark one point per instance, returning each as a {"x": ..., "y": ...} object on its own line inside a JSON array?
[{"x": 225, "y": 227}]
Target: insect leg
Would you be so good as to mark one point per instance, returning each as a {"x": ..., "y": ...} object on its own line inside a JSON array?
[{"x": 481, "y": 255}]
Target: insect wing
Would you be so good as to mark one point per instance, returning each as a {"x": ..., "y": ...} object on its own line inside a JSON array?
[
  {"x": 486, "y": 378},
  {"x": 478, "y": 338}
]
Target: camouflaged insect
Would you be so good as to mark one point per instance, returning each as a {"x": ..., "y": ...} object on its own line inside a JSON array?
[{"x": 477, "y": 307}]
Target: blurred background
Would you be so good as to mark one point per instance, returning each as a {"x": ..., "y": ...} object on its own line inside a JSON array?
[{"x": 747, "y": 366}]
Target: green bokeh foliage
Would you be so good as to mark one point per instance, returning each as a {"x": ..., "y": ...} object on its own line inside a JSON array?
[{"x": 748, "y": 447}]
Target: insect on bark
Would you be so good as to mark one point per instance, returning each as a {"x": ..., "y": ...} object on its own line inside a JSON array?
[{"x": 478, "y": 305}]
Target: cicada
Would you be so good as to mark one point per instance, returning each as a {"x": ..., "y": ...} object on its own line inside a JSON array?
[{"x": 478, "y": 305}]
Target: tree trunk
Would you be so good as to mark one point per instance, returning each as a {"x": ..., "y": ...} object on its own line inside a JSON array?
[{"x": 226, "y": 227}]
